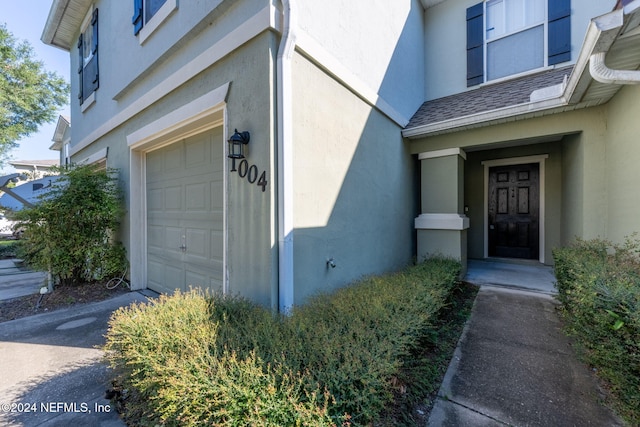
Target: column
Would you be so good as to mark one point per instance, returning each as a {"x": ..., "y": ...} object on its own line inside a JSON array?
[{"x": 442, "y": 225}]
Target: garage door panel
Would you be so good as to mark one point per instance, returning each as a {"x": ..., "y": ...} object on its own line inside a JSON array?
[
  {"x": 154, "y": 165},
  {"x": 173, "y": 239},
  {"x": 155, "y": 199},
  {"x": 197, "y": 150},
  {"x": 155, "y": 237},
  {"x": 173, "y": 198},
  {"x": 185, "y": 201},
  {"x": 216, "y": 246},
  {"x": 198, "y": 243},
  {"x": 197, "y": 196},
  {"x": 173, "y": 158}
]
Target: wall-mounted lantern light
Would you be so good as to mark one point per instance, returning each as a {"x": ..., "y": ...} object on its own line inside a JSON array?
[{"x": 236, "y": 144}]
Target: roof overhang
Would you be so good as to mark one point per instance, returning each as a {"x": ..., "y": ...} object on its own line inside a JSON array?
[
  {"x": 617, "y": 34},
  {"x": 430, "y": 3},
  {"x": 63, "y": 124},
  {"x": 63, "y": 22}
]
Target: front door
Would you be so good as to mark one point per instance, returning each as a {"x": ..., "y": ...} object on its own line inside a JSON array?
[{"x": 514, "y": 200}]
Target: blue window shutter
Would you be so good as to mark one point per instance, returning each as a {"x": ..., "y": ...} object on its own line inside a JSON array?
[
  {"x": 559, "y": 31},
  {"x": 93, "y": 78},
  {"x": 475, "y": 44},
  {"x": 80, "y": 68},
  {"x": 137, "y": 20}
]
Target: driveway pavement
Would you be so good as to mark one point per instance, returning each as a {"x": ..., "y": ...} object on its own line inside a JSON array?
[{"x": 51, "y": 373}]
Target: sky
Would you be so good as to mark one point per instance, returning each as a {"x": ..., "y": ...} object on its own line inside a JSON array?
[{"x": 25, "y": 19}]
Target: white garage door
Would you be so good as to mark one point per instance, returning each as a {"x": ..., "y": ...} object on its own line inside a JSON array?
[{"x": 185, "y": 214}]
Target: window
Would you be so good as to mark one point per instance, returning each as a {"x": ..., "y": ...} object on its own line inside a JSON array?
[
  {"x": 88, "y": 75},
  {"x": 507, "y": 37},
  {"x": 143, "y": 11}
]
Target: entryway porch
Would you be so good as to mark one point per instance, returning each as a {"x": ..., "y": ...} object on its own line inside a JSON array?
[{"x": 512, "y": 273}]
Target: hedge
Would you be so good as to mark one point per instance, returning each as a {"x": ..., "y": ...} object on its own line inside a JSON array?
[
  {"x": 599, "y": 289},
  {"x": 194, "y": 359}
]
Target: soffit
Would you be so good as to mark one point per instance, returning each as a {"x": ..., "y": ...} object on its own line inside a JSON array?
[{"x": 63, "y": 22}]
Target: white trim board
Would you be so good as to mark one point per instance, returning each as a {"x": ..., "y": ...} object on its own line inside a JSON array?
[
  {"x": 540, "y": 159},
  {"x": 442, "y": 153},
  {"x": 200, "y": 115},
  {"x": 441, "y": 221}
]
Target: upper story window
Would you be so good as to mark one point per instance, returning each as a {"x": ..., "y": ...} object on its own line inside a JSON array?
[
  {"x": 507, "y": 37},
  {"x": 149, "y": 14},
  {"x": 151, "y": 7},
  {"x": 88, "y": 76}
]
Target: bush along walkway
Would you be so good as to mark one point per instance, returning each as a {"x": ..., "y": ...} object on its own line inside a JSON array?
[
  {"x": 191, "y": 359},
  {"x": 599, "y": 289}
]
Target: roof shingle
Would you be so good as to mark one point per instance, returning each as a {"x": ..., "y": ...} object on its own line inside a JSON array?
[{"x": 486, "y": 98}]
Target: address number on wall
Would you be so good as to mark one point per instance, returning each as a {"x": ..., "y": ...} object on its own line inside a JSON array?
[{"x": 250, "y": 172}]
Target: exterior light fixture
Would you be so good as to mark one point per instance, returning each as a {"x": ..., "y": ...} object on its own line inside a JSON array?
[{"x": 236, "y": 144}]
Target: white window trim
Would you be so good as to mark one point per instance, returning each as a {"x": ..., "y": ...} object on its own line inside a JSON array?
[
  {"x": 202, "y": 114},
  {"x": 545, "y": 53},
  {"x": 91, "y": 99},
  {"x": 156, "y": 20},
  {"x": 100, "y": 155},
  {"x": 540, "y": 159}
]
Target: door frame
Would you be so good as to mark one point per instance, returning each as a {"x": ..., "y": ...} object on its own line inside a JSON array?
[
  {"x": 200, "y": 115},
  {"x": 540, "y": 159}
]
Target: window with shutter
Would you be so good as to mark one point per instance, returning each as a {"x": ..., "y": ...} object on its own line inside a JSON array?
[
  {"x": 143, "y": 11},
  {"x": 88, "y": 58},
  {"x": 507, "y": 37}
]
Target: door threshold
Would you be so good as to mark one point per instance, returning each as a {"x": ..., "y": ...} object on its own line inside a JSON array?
[{"x": 519, "y": 261}]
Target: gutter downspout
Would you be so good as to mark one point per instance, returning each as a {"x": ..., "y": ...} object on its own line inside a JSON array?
[
  {"x": 284, "y": 111},
  {"x": 600, "y": 72}
]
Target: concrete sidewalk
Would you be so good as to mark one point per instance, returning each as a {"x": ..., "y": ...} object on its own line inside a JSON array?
[
  {"x": 51, "y": 373},
  {"x": 17, "y": 282},
  {"x": 514, "y": 366}
]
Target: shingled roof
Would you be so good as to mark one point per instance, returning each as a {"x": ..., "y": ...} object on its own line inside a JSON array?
[{"x": 486, "y": 98}]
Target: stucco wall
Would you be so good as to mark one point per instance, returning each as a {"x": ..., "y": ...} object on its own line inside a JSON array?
[
  {"x": 445, "y": 35},
  {"x": 252, "y": 247},
  {"x": 354, "y": 192},
  {"x": 381, "y": 45},
  {"x": 129, "y": 69},
  {"x": 622, "y": 159}
]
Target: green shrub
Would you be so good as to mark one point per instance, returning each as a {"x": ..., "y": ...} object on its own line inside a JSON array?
[
  {"x": 191, "y": 359},
  {"x": 70, "y": 231},
  {"x": 599, "y": 288},
  {"x": 8, "y": 249}
]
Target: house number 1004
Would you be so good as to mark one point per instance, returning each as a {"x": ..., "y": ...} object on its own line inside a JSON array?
[{"x": 251, "y": 173}]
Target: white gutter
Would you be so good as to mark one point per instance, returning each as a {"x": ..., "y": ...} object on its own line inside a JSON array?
[
  {"x": 600, "y": 72},
  {"x": 285, "y": 157}
]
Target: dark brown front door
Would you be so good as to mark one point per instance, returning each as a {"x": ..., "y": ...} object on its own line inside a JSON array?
[{"x": 514, "y": 199}]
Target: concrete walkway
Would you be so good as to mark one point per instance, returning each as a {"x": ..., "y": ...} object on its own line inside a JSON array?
[
  {"x": 16, "y": 282},
  {"x": 513, "y": 365},
  {"x": 51, "y": 373},
  {"x": 529, "y": 275}
]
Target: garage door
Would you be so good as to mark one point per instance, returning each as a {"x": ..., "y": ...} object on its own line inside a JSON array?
[{"x": 185, "y": 214}]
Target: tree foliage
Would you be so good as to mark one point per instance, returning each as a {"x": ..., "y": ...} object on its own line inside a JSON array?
[
  {"x": 29, "y": 95},
  {"x": 70, "y": 231}
]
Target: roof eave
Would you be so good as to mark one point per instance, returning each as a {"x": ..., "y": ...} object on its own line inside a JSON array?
[{"x": 60, "y": 19}]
